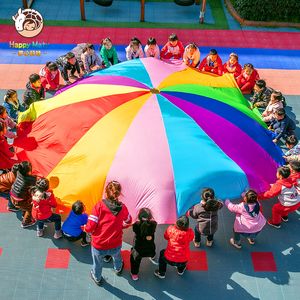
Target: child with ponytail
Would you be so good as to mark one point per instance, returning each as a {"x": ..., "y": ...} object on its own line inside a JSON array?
[{"x": 144, "y": 246}]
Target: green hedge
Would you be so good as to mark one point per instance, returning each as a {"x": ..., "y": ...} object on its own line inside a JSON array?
[{"x": 268, "y": 10}]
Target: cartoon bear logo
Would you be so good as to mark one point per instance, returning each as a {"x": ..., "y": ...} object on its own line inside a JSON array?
[{"x": 28, "y": 22}]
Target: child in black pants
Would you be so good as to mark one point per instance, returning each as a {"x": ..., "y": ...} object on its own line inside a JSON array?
[{"x": 144, "y": 246}]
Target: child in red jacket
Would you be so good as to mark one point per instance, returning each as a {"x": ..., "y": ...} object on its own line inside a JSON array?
[
  {"x": 50, "y": 76},
  {"x": 232, "y": 65},
  {"x": 247, "y": 79},
  {"x": 289, "y": 199},
  {"x": 177, "y": 252},
  {"x": 212, "y": 63},
  {"x": 173, "y": 49},
  {"x": 43, "y": 200}
]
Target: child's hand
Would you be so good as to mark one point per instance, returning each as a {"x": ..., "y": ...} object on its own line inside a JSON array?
[
  {"x": 148, "y": 237},
  {"x": 275, "y": 141}
]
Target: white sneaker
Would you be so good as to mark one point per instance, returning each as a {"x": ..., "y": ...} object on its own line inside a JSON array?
[{"x": 57, "y": 234}]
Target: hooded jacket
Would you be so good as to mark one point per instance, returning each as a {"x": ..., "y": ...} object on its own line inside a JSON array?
[
  {"x": 178, "y": 248},
  {"x": 244, "y": 221},
  {"x": 32, "y": 95},
  {"x": 6, "y": 156},
  {"x": 6, "y": 181},
  {"x": 43, "y": 210},
  {"x": 286, "y": 191},
  {"x": 106, "y": 223}
]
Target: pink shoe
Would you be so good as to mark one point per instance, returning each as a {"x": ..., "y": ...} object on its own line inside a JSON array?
[{"x": 134, "y": 277}]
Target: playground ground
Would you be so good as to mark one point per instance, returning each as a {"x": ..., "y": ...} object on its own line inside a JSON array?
[{"x": 44, "y": 268}]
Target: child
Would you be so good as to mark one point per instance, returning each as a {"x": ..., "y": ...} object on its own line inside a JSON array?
[
  {"x": 191, "y": 55},
  {"x": 232, "y": 65},
  {"x": 273, "y": 106},
  {"x": 68, "y": 63},
  {"x": 6, "y": 181},
  {"x": 9, "y": 123},
  {"x": 144, "y": 246},
  {"x": 72, "y": 226},
  {"x": 50, "y": 76},
  {"x": 293, "y": 145},
  {"x": 34, "y": 91},
  {"x": 20, "y": 195},
  {"x": 289, "y": 199},
  {"x": 173, "y": 49},
  {"x": 212, "y": 63},
  {"x": 108, "y": 53},
  {"x": 134, "y": 49},
  {"x": 282, "y": 126},
  {"x": 249, "y": 221},
  {"x": 43, "y": 200},
  {"x": 91, "y": 61},
  {"x": 152, "y": 49},
  {"x": 177, "y": 252},
  {"x": 246, "y": 80},
  {"x": 295, "y": 175},
  {"x": 206, "y": 213},
  {"x": 12, "y": 104},
  {"x": 262, "y": 94},
  {"x": 106, "y": 223},
  {"x": 7, "y": 157}
]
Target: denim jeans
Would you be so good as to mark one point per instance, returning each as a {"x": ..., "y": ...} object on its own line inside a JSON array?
[
  {"x": 98, "y": 256},
  {"x": 237, "y": 236},
  {"x": 53, "y": 218}
]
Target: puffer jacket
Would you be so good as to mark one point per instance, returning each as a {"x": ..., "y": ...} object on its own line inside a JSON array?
[
  {"x": 20, "y": 188},
  {"x": 43, "y": 210},
  {"x": 178, "y": 248},
  {"x": 6, "y": 181}
]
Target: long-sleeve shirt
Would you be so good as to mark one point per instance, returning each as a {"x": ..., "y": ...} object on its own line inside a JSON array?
[
  {"x": 150, "y": 52},
  {"x": 283, "y": 127},
  {"x": 172, "y": 52},
  {"x": 65, "y": 66},
  {"x": 90, "y": 60},
  {"x": 108, "y": 55},
  {"x": 131, "y": 54},
  {"x": 191, "y": 59},
  {"x": 10, "y": 124}
]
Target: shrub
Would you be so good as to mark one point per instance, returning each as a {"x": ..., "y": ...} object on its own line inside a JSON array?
[{"x": 268, "y": 10}]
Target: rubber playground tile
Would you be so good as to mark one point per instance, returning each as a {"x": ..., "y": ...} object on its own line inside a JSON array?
[
  {"x": 198, "y": 261},
  {"x": 1, "y": 251},
  {"x": 57, "y": 258},
  {"x": 3, "y": 206},
  {"x": 263, "y": 262}
]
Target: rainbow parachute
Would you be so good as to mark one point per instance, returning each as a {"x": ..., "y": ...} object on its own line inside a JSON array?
[{"x": 163, "y": 131}]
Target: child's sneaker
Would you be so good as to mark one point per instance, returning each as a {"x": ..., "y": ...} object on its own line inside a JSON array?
[
  {"x": 84, "y": 244},
  {"x": 57, "y": 234},
  {"x": 274, "y": 225},
  {"x": 182, "y": 272},
  {"x": 251, "y": 241},
  {"x": 234, "y": 244},
  {"x": 153, "y": 261},
  {"x": 285, "y": 219},
  {"x": 197, "y": 244},
  {"x": 98, "y": 282},
  {"x": 119, "y": 272},
  {"x": 134, "y": 277},
  {"x": 40, "y": 232},
  {"x": 157, "y": 274},
  {"x": 209, "y": 243},
  {"x": 25, "y": 225},
  {"x": 107, "y": 258}
]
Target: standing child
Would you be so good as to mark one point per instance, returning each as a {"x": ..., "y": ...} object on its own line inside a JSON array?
[
  {"x": 177, "y": 252},
  {"x": 20, "y": 194},
  {"x": 206, "y": 213},
  {"x": 212, "y": 63},
  {"x": 249, "y": 221},
  {"x": 152, "y": 49},
  {"x": 105, "y": 224},
  {"x": 12, "y": 104},
  {"x": 173, "y": 49},
  {"x": 134, "y": 49},
  {"x": 191, "y": 55},
  {"x": 34, "y": 91},
  {"x": 144, "y": 246},
  {"x": 72, "y": 226},
  {"x": 108, "y": 53},
  {"x": 288, "y": 196},
  {"x": 232, "y": 66},
  {"x": 43, "y": 200}
]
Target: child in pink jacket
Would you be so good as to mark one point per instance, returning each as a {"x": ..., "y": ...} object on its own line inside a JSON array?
[{"x": 249, "y": 221}]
